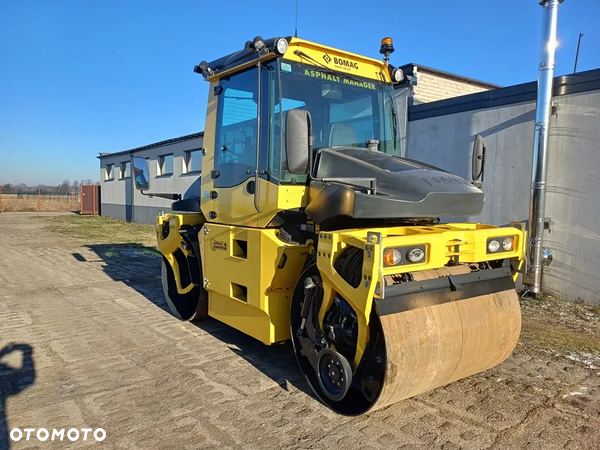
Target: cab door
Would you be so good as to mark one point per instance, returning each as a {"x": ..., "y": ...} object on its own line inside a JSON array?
[{"x": 235, "y": 150}]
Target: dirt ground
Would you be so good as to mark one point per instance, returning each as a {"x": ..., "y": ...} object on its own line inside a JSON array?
[{"x": 96, "y": 347}]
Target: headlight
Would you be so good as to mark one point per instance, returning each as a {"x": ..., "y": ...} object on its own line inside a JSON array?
[
  {"x": 493, "y": 246},
  {"x": 507, "y": 244},
  {"x": 401, "y": 256},
  {"x": 281, "y": 46},
  {"x": 392, "y": 257},
  {"x": 500, "y": 244},
  {"x": 416, "y": 255}
]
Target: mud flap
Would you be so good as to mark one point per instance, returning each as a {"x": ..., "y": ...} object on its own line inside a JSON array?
[{"x": 425, "y": 291}]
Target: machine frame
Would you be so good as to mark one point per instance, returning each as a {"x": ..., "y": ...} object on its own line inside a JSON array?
[{"x": 251, "y": 244}]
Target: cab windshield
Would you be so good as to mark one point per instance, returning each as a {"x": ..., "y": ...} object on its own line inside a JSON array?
[
  {"x": 346, "y": 110},
  {"x": 252, "y": 106}
]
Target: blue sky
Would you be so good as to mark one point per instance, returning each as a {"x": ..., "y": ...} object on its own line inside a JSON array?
[{"x": 82, "y": 77}]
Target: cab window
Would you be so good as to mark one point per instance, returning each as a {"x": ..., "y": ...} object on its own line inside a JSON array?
[
  {"x": 357, "y": 115},
  {"x": 237, "y": 129}
]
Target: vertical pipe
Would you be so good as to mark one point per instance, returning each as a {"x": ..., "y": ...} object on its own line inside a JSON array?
[
  {"x": 540, "y": 144},
  {"x": 132, "y": 184}
]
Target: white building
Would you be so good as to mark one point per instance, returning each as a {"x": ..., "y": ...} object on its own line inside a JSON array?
[{"x": 175, "y": 167}]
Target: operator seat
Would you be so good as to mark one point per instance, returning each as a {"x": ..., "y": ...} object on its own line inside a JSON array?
[{"x": 341, "y": 134}]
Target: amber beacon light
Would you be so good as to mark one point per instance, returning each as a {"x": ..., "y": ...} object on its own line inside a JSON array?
[{"x": 387, "y": 47}]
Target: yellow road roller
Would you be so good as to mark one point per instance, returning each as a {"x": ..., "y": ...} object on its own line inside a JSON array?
[{"x": 310, "y": 226}]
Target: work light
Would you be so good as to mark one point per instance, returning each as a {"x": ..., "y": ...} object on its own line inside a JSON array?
[
  {"x": 281, "y": 46},
  {"x": 259, "y": 44},
  {"x": 397, "y": 75}
]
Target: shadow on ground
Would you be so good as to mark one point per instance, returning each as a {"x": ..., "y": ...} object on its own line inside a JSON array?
[
  {"x": 14, "y": 378},
  {"x": 139, "y": 267}
]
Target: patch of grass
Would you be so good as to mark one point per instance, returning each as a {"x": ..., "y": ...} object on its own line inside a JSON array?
[
  {"x": 560, "y": 326},
  {"x": 547, "y": 336},
  {"x": 32, "y": 204},
  {"x": 103, "y": 230}
]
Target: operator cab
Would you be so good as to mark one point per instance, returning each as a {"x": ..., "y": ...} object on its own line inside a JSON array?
[
  {"x": 290, "y": 121},
  {"x": 345, "y": 110}
]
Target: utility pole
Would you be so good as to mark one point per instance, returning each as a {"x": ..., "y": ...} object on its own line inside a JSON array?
[{"x": 577, "y": 55}]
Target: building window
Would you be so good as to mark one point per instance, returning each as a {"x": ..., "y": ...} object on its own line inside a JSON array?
[
  {"x": 165, "y": 165},
  {"x": 192, "y": 161},
  {"x": 125, "y": 171},
  {"x": 109, "y": 172}
]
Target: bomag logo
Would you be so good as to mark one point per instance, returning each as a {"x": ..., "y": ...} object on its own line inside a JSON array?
[
  {"x": 340, "y": 61},
  {"x": 345, "y": 63},
  {"x": 218, "y": 245}
]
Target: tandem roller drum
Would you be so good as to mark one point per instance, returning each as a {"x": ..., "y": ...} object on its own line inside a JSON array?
[{"x": 444, "y": 325}]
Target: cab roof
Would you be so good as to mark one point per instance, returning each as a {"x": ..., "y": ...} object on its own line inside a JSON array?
[{"x": 336, "y": 59}]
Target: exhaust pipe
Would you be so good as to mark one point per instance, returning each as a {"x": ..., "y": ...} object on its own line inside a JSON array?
[{"x": 537, "y": 258}]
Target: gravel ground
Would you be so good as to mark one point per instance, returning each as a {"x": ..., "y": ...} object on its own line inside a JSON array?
[{"x": 98, "y": 349}]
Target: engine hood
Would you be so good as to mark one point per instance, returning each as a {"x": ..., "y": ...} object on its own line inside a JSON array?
[{"x": 404, "y": 188}]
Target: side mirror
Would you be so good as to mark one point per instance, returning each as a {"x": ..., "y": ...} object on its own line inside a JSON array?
[
  {"x": 140, "y": 174},
  {"x": 298, "y": 131},
  {"x": 478, "y": 161}
]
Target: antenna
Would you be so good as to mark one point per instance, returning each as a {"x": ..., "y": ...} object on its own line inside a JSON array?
[
  {"x": 577, "y": 55},
  {"x": 296, "y": 32}
]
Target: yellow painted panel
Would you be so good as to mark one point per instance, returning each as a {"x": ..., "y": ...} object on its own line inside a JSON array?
[
  {"x": 292, "y": 197},
  {"x": 235, "y": 205},
  {"x": 267, "y": 274},
  {"x": 338, "y": 60},
  {"x": 444, "y": 243},
  {"x": 208, "y": 143}
]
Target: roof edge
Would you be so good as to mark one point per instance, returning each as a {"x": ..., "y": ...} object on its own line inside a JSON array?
[
  {"x": 443, "y": 73},
  {"x": 526, "y": 92},
  {"x": 187, "y": 137}
]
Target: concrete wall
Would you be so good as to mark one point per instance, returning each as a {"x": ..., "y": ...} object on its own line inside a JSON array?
[
  {"x": 433, "y": 86},
  {"x": 573, "y": 200},
  {"x": 120, "y": 201}
]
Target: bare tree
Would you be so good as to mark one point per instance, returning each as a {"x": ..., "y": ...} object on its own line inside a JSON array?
[{"x": 64, "y": 187}]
